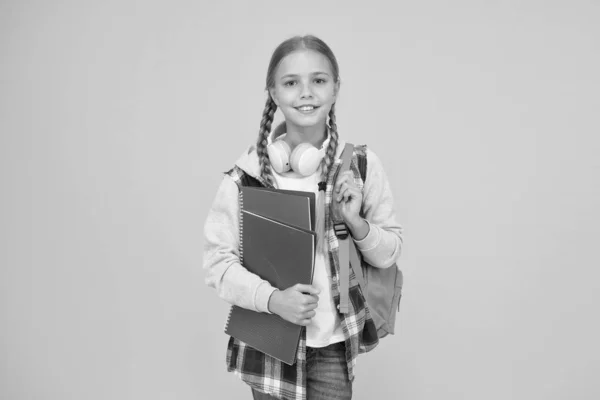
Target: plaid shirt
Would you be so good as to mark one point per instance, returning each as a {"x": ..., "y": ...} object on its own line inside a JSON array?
[{"x": 269, "y": 375}]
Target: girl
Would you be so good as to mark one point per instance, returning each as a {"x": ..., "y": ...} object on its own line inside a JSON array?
[{"x": 303, "y": 82}]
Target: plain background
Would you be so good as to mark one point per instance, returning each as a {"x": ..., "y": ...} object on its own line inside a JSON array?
[{"x": 118, "y": 117}]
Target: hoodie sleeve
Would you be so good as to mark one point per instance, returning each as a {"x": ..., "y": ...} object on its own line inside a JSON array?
[
  {"x": 383, "y": 244},
  {"x": 224, "y": 272}
]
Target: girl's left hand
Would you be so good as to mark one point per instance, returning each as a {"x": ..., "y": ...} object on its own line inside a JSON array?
[{"x": 347, "y": 198}]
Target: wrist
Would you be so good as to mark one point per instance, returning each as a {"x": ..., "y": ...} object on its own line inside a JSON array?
[
  {"x": 273, "y": 301},
  {"x": 359, "y": 228}
]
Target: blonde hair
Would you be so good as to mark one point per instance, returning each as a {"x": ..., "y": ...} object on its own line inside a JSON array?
[{"x": 286, "y": 47}]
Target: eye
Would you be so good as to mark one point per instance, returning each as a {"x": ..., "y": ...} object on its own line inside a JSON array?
[
  {"x": 289, "y": 83},
  {"x": 320, "y": 81}
]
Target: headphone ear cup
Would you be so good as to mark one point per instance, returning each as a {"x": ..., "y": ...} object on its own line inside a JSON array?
[
  {"x": 305, "y": 159},
  {"x": 279, "y": 155}
]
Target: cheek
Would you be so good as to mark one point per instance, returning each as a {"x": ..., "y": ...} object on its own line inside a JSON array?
[
  {"x": 328, "y": 93},
  {"x": 287, "y": 97}
]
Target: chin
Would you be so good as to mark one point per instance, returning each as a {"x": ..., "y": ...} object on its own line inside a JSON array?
[{"x": 307, "y": 122}]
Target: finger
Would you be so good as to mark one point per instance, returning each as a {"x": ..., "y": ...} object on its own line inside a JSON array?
[
  {"x": 312, "y": 299},
  {"x": 347, "y": 184},
  {"x": 338, "y": 184},
  {"x": 340, "y": 195},
  {"x": 347, "y": 194},
  {"x": 309, "y": 314},
  {"x": 302, "y": 319},
  {"x": 346, "y": 176},
  {"x": 353, "y": 192},
  {"x": 310, "y": 289},
  {"x": 341, "y": 190}
]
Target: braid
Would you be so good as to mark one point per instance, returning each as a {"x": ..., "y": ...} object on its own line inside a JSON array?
[
  {"x": 332, "y": 147},
  {"x": 326, "y": 167},
  {"x": 261, "y": 144}
]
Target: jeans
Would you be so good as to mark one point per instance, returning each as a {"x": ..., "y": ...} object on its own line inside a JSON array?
[{"x": 326, "y": 374}]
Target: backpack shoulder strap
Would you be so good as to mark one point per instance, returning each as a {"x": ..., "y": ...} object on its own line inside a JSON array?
[
  {"x": 361, "y": 158},
  {"x": 347, "y": 252},
  {"x": 342, "y": 232}
]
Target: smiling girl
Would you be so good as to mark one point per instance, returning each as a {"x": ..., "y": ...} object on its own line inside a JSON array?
[{"x": 303, "y": 153}]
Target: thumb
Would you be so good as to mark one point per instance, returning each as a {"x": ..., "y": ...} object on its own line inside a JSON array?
[{"x": 310, "y": 289}]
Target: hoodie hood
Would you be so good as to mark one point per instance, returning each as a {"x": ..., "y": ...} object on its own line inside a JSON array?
[{"x": 249, "y": 161}]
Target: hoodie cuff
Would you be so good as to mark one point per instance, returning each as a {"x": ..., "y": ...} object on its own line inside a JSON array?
[
  {"x": 263, "y": 294},
  {"x": 370, "y": 241}
]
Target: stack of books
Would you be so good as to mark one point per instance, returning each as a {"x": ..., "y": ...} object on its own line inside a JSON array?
[{"x": 277, "y": 243}]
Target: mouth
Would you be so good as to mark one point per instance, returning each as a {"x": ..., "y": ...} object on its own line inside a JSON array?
[{"x": 306, "y": 108}]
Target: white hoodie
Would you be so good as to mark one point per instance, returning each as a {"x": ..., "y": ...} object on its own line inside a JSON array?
[{"x": 236, "y": 285}]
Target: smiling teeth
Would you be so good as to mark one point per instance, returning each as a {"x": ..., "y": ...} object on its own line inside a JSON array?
[{"x": 306, "y": 108}]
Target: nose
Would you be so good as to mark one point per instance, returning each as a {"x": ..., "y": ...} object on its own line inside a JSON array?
[{"x": 306, "y": 91}]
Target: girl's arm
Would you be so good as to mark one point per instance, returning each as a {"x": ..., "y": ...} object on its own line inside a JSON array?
[
  {"x": 383, "y": 244},
  {"x": 224, "y": 272}
]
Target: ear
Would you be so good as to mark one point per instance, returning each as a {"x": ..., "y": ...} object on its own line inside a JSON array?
[{"x": 272, "y": 94}]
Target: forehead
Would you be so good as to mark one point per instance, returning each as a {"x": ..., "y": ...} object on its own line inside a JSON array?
[{"x": 303, "y": 62}]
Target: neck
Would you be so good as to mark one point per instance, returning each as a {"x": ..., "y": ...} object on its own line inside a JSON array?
[{"x": 314, "y": 135}]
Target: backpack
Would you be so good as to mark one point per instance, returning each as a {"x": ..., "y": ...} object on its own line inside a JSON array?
[{"x": 381, "y": 287}]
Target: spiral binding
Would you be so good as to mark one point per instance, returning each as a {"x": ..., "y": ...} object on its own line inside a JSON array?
[
  {"x": 228, "y": 318},
  {"x": 241, "y": 226},
  {"x": 241, "y": 247}
]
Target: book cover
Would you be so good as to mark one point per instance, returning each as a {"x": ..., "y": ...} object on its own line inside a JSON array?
[
  {"x": 283, "y": 255},
  {"x": 287, "y": 206}
]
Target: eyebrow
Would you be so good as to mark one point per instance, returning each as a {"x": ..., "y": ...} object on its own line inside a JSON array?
[{"x": 296, "y": 75}]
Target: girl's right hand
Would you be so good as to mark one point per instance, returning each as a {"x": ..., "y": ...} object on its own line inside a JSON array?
[{"x": 295, "y": 304}]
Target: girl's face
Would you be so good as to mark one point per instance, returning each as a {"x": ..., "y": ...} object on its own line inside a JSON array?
[{"x": 304, "y": 89}]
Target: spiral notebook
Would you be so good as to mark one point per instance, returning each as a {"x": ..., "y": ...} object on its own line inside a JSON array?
[
  {"x": 280, "y": 251},
  {"x": 287, "y": 206}
]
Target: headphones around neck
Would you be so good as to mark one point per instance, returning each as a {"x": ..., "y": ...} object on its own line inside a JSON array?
[{"x": 303, "y": 159}]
